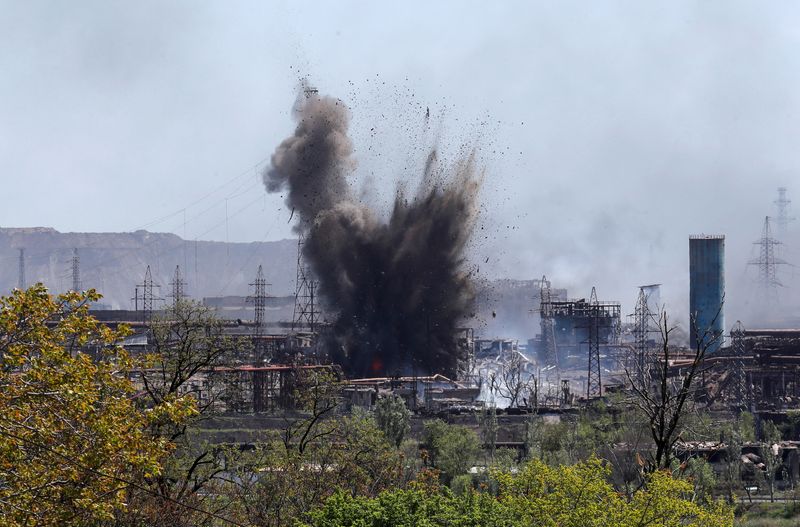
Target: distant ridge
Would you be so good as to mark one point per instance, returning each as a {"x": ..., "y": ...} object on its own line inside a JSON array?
[{"x": 113, "y": 263}]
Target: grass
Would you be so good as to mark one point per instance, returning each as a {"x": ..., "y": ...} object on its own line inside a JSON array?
[{"x": 768, "y": 515}]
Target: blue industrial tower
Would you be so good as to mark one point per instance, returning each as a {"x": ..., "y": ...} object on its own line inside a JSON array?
[{"x": 706, "y": 291}]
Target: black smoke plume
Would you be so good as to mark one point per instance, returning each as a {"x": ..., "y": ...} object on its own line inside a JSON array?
[{"x": 398, "y": 288}]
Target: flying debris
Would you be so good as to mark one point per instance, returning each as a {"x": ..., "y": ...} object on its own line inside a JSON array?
[{"x": 398, "y": 288}]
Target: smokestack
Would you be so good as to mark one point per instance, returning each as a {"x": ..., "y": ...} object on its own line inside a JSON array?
[
  {"x": 397, "y": 289},
  {"x": 706, "y": 290}
]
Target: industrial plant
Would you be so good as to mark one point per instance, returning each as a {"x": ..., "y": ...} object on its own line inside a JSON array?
[{"x": 390, "y": 304}]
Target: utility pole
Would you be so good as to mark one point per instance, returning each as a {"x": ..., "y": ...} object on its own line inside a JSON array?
[
  {"x": 547, "y": 323},
  {"x": 767, "y": 263},
  {"x": 641, "y": 330},
  {"x": 594, "y": 385},
  {"x": 148, "y": 297},
  {"x": 741, "y": 391},
  {"x": 178, "y": 287},
  {"x": 306, "y": 313},
  {"x": 76, "y": 270},
  {"x": 259, "y": 300},
  {"x": 21, "y": 283},
  {"x": 782, "y": 219}
]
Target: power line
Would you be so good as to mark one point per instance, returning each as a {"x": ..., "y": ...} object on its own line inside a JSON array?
[
  {"x": 168, "y": 251},
  {"x": 207, "y": 195},
  {"x": 232, "y": 276}
]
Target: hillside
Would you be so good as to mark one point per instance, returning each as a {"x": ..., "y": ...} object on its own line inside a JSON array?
[{"x": 114, "y": 263}]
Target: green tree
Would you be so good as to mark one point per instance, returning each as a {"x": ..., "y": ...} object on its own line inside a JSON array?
[
  {"x": 73, "y": 442},
  {"x": 771, "y": 455},
  {"x": 317, "y": 453},
  {"x": 393, "y": 418},
  {"x": 566, "y": 496},
  {"x": 451, "y": 449},
  {"x": 487, "y": 420},
  {"x": 186, "y": 344},
  {"x": 700, "y": 474}
]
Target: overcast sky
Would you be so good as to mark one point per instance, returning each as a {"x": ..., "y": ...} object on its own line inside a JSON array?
[{"x": 609, "y": 131}]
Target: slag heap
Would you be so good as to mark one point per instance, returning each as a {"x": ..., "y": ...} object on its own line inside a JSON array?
[{"x": 398, "y": 288}]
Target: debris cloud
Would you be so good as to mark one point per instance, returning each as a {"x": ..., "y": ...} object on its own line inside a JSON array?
[{"x": 398, "y": 288}]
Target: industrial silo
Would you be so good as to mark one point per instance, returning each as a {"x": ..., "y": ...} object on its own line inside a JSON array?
[{"x": 706, "y": 290}]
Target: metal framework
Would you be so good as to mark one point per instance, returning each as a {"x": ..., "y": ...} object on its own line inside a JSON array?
[
  {"x": 21, "y": 277},
  {"x": 642, "y": 358},
  {"x": 782, "y": 219},
  {"x": 259, "y": 300},
  {"x": 767, "y": 263},
  {"x": 178, "y": 285},
  {"x": 762, "y": 364},
  {"x": 739, "y": 384},
  {"x": 549, "y": 350},
  {"x": 260, "y": 389},
  {"x": 306, "y": 314},
  {"x": 594, "y": 386},
  {"x": 565, "y": 392},
  {"x": 598, "y": 315},
  {"x": 76, "y": 270},
  {"x": 148, "y": 297}
]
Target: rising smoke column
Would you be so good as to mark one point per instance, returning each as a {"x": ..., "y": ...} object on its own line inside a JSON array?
[{"x": 398, "y": 288}]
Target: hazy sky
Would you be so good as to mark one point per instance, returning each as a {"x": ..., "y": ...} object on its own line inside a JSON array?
[{"x": 609, "y": 131}]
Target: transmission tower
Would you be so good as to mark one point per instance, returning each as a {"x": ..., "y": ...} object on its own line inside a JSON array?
[
  {"x": 641, "y": 331},
  {"x": 306, "y": 314},
  {"x": 76, "y": 270},
  {"x": 739, "y": 384},
  {"x": 178, "y": 285},
  {"x": 782, "y": 219},
  {"x": 594, "y": 386},
  {"x": 21, "y": 283},
  {"x": 767, "y": 263},
  {"x": 259, "y": 300},
  {"x": 547, "y": 323},
  {"x": 148, "y": 297}
]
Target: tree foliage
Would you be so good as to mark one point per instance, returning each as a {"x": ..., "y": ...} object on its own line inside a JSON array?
[
  {"x": 564, "y": 496},
  {"x": 393, "y": 418},
  {"x": 185, "y": 344},
  {"x": 281, "y": 482},
  {"x": 72, "y": 436},
  {"x": 451, "y": 449}
]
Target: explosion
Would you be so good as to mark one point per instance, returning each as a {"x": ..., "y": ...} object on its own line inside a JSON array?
[{"x": 398, "y": 288}]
